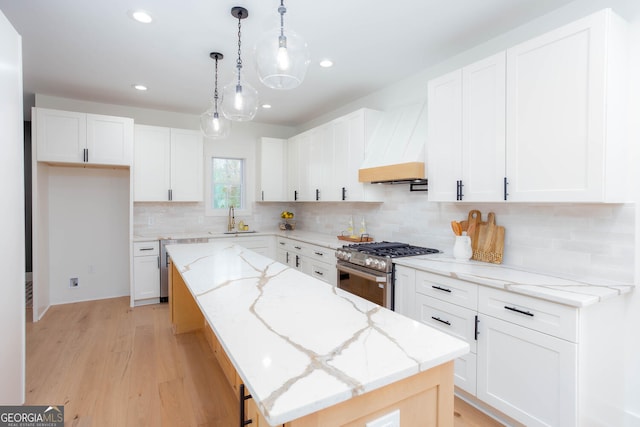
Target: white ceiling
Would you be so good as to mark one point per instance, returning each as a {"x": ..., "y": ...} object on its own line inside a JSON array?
[{"x": 92, "y": 50}]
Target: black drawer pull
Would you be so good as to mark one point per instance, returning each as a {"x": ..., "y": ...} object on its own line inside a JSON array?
[
  {"x": 147, "y": 249},
  {"x": 319, "y": 273},
  {"x": 441, "y": 289},
  {"x": 526, "y": 313},
  {"x": 446, "y": 322},
  {"x": 319, "y": 253},
  {"x": 298, "y": 247},
  {"x": 282, "y": 243}
]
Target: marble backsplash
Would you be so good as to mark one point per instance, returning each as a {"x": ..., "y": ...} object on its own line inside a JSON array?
[{"x": 579, "y": 241}]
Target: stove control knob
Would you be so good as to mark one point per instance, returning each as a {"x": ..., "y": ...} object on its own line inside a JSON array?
[
  {"x": 368, "y": 262},
  {"x": 382, "y": 265},
  {"x": 376, "y": 264}
]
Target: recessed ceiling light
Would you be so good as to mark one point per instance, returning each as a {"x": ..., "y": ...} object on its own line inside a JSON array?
[
  {"x": 141, "y": 16},
  {"x": 141, "y": 88},
  {"x": 326, "y": 63},
  {"x": 266, "y": 106}
]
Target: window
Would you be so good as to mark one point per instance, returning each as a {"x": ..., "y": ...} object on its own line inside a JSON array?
[{"x": 227, "y": 183}]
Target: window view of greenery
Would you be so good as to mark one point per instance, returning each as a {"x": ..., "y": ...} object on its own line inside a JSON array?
[{"x": 227, "y": 183}]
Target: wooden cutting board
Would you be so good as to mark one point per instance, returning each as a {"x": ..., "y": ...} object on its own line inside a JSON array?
[{"x": 487, "y": 238}]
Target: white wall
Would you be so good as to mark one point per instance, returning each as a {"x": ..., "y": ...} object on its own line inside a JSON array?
[
  {"x": 88, "y": 233},
  {"x": 12, "y": 302}
]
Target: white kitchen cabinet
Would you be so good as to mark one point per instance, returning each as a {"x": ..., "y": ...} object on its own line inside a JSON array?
[
  {"x": 351, "y": 135},
  {"x": 323, "y": 162},
  {"x": 146, "y": 272},
  {"x": 273, "y": 176},
  {"x": 466, "y": 133},
  {"x": 79, "y": 138},
  {"x": 168, "y": 165},
  {"x": 566, "y": 121},
  {"x": 537, "y": 361},
  {"x": 314, "y": 260},
  {"x": 526, "y": 374}
]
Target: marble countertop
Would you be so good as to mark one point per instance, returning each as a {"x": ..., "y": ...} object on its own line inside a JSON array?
[
  {"x": 560, "y": 290},
  {"x": 299, "y": 344}
]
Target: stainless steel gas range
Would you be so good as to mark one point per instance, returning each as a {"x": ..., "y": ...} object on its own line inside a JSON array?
[{"x": 367, "y": 269}]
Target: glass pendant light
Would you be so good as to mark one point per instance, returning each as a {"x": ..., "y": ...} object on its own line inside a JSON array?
[
  {"x": 211, "y": 123},
  {"x": 281, "y": 59},
  {"x": 239, "y": 98}
]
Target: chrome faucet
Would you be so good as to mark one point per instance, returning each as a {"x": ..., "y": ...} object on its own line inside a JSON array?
[{"x": 231, "y": 224}]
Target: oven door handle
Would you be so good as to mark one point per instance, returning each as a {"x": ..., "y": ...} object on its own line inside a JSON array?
[{"x": 364, "y": 275}]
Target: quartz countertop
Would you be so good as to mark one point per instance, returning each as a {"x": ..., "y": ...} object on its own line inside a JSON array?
[
  {"x": 557, "y": 289},
  {"x": 299, "y": 344}
]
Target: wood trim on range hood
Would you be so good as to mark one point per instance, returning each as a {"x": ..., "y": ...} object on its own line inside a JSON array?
[{"x": 398, "y": 172}]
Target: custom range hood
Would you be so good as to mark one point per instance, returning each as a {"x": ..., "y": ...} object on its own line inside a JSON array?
[{"x": 396, "y": 151}]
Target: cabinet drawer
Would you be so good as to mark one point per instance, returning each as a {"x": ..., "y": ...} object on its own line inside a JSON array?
[
  {"x": 447, "y": 289},
  {"x": 322, "y": 270},
  {"x": 146, "y": 248},
  {"x": 452, "y": 319},
  {"x": 554, "y": 319},
  {"x": 323, "y": 254}
]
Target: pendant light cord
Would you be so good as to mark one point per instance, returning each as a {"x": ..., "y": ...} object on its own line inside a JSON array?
[
  {"x": 239, "y": 61},
  {"x": 215, "y": 91},
  {"x": 282, "y": 10}
]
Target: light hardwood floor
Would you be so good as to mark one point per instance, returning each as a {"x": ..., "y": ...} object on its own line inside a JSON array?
[{"x": 110, "y": 365}]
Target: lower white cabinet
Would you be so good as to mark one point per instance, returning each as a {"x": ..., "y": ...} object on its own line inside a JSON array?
[
  {"x": 539, "y": 362},
  {"x": 146, "y": 272},
  {"x": 314, "y": 260},
  {"x": 528, "y": 375}
]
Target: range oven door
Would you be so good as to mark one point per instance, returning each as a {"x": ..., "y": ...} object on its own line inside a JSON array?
[{"x": 372, "y": 285}]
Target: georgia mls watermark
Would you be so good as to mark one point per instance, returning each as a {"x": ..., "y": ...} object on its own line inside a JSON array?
[{"x": 31, "y": 416}]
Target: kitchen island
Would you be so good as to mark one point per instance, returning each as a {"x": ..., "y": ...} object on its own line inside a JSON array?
[{"x": 310, "y": 354}]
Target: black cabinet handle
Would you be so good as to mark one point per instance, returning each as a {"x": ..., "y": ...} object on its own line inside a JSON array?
[
  {"x": 85, "y": 155},
  {"x": 505, "y": 188},
  {"x": 476, "y": 332},
  {"x": 263, "y": 195},
  {"x": 319, "y": 253},
  {"x": 147, "y": 249},
  {"x": 441, "y": 289},
  {"x": 295, "y": 194},
  {"x": 446, "y": 322},
  {"x": 287, "y": 257},
  {"x": 158, "y": 262},
  {"x": 298, "y": 247},
  {"x": 461, "y": 195},
  {"x": 282, "y": 243},
  {"x": 243, "y": 399},
  {"x": 297, "y": 261},
  {"x": 526, "y": 313},
  {"x": 317, "y": 194},
  {"x": 319, "y": 273},
  {"x": 344, "y": 193}
]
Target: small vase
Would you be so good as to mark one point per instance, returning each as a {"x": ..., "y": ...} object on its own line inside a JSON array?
[{"x": 462, "y": 247}]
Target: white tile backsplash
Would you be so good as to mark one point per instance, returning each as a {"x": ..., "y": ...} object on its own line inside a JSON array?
[{"x": 581, "y": 241}]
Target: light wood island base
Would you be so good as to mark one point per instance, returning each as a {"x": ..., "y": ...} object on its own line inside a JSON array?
[{"x": 425, "y": 399}]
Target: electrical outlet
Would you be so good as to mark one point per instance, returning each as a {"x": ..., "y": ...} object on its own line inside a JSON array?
[
  {"x": 73, "y": 282},
  {"x": 390, "y": 420}
]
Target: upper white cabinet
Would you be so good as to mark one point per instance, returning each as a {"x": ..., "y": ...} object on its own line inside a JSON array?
[
  {"x": 273, "y": 158},
  {"x": 168, "y": 165},
  {"x": 565, "y": 114},
  {"x": 323, "y": 162},
  {"x": 466, "y": 150},
  {"x": 546, "y": 125},
  {"x": 92, "y": 139}
]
